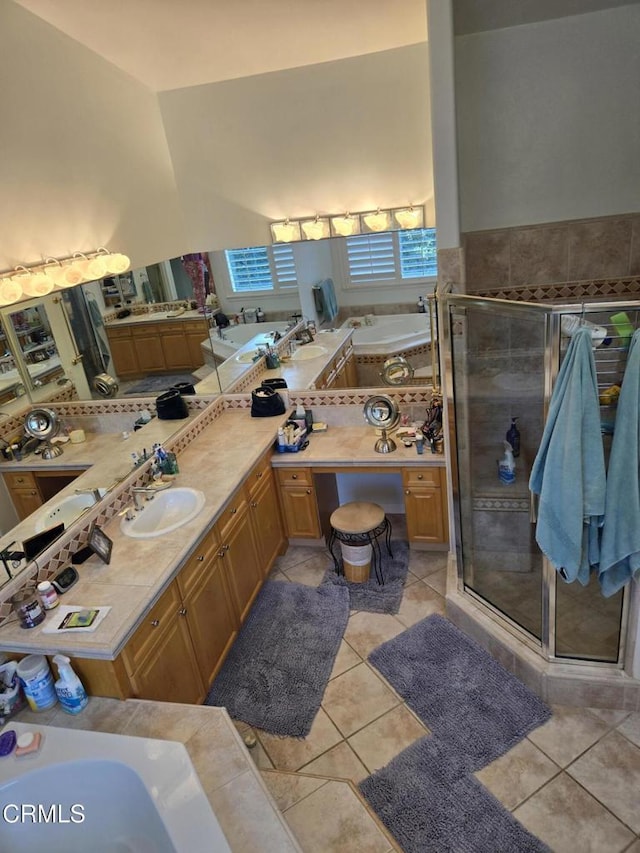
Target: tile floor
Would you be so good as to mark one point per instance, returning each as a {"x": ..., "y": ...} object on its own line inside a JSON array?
[{"x": 574, "y": 782}]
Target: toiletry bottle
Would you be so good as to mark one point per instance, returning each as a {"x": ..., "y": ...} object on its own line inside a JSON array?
[
  {"x": 69, "y": 690},
  {"x": 259, "y": 316},
  {"x": 507, "y": 466},
  {"x": 513, "y": 437},
  {"x": 422, "y": 308}
]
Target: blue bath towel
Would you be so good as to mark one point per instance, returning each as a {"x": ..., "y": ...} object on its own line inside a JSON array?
[
  {"x": 620, "y": 545},
  {"x": 569, "y": 472},
  {"x": 324, "y": 297}
]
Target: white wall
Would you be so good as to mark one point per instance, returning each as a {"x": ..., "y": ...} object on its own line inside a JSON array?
[
  {"x": 549, "y": 120},
  {"x": 84, "y": 157},
  {"x": 345, "y": 135}
]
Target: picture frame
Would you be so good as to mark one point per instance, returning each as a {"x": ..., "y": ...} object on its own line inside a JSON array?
[
  {"x": 100, "y": 543},
  {"x": 304, "y": 336}
]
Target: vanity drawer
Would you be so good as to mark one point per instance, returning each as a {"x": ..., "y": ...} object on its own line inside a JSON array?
[
  {"x": 422, "y": 477},
  {"x": 236, "y": 508},
  {"x": 152, "y": 628},
  {"x": 119, "y": 331},
  {"x": 295, "y": 476},
  {"x": 22, "y": 480},
  {"x": 195, "y": 326},
  {"x": 259, "y": 474},
  {"x": 189, "y": 574},
  {"x": 173, "y": 327}
]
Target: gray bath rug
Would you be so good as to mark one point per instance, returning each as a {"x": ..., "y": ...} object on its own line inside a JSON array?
[
  {"x": 465, "y": 697},
  {"x": 157, "y": 384},
  {"x": 370, "y": 595},
  {"x": 429, "y": 804},
  {"x": 276, "y": 672}
]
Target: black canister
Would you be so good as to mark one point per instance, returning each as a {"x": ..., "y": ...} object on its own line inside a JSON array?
[
  {"x": 29, "y": 608},
  {"x": 171, "y": 406}
]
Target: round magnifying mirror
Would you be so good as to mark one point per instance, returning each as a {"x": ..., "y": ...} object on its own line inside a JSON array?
[
  {"x": 105, "y": 385},
  {"x": 382, "y": 412},
  {"x": 396, "y": 371}
]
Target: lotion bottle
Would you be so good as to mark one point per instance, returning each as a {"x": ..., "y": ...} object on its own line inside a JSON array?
[
  {"x": 507, "y": 465},
  {"x": 69, "y": 690},
  {"x": 513, "y": 437}
]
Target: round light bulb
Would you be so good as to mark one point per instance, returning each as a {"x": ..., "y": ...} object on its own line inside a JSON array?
[
  {"x": 10, "y": 291},
  {"x": 37, "y": 284},
  {"x": 117, "y": 263},
  {"x": 377, "y": 221},
  {"x": 55, "y": 271}
]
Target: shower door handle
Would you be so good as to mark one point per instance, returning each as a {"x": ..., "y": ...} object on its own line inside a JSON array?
[{"x": 533, "y": 507}]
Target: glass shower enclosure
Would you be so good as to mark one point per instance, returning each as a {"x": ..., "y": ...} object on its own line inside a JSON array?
[{"x": 501, "y": 360}]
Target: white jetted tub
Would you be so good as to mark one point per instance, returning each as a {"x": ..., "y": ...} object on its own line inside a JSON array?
[
  {"x": 386, "y": 334},
  {"x": 104, "y": 793},
  {"x": 236, "y": 337}
]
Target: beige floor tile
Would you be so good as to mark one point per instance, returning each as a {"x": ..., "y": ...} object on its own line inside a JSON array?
[
  {"x": 289, "y": 788},
  {"x": 423, "y": 563},
  {"x": 438, "y": 581},
  {"x": 345, "y": 659},
  {"x": 383, "y": 739},
  {"x": 259, "y": 757},
  {"x": 635, "y": 848},
  {"x": 569, "y": 732},
  {"x": 277, "y": 575},
  {"x": 333, "y": 820},
  {"x": 515, "y": 776},
  {"x": 366, "y": 631},
  {"x": 246, "y": 817},
  {"x": 630, "y": 728},
  {"x": 290, "y": 753},
  {"x": 610, "y": 771},
  {"x": 357, "y": 697},
  {"x": 310, "y": 572},
  {"x": 610, "y": 716},
  {"x": 340, "y": 762},
  {"x": 411, "y": 578},
  {"x": 418, "y": 602},
  {"x": 569, "y": 820},
  {"x": 296, "y": 554},
  {"x": 39, "y": 718}
]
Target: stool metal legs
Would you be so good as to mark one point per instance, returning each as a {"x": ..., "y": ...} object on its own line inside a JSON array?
[{"x": 370, "y": 537}]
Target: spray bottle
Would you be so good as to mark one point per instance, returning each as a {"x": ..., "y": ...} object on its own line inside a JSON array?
[
  {"x": 69, "y": 690},
  {"x": 507, "y": 465}
]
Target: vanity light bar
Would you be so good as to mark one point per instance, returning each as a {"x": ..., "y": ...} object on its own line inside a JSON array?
[
  {"x": 39, "y": 280},
  {"x": 348, "y": 224}
]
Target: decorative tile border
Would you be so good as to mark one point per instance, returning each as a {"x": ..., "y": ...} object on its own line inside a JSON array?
[
  {"x": 568, "y": 291},
  {"x": 379, "y": 359},
  {"x": 358, "y": 397},
  {"x": 501, "y": 504}
]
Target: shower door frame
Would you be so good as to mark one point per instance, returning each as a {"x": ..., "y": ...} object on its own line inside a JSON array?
[{"x": 552, "y": 314}]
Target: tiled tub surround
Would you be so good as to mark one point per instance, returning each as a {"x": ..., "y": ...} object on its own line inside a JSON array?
[
  {"x": 581, "y": 259},
  {"x": 230, "y": 780}
]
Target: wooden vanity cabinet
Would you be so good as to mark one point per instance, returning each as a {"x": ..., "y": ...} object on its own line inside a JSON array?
[
  {"x": 141, "y": 348},
  {"x": 239, "y": 550},
  {"x": 148, "y": 346},
  {"x": 159, "y": 659},
  {"x": 425, "y": 500},
  {"x": 299, "y": 503},
  {"x": 266, "y": 519},
  {"x": 175, "y": 349},
  {"x": 29, "y": 490},
  {"x": 123, "y": 353}
]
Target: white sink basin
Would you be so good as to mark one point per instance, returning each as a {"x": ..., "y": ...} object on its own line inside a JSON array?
[
  {"x": 165, "y": 512},
  {"x": 309, "y": 351},
  {"x": 66, "y": 510},
  {"x": 246, "y": 357}
]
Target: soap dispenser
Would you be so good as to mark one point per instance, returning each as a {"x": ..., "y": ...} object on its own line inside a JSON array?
[
  {"x": 507, "y": 466},
  {"x": 513, "y": 437}
]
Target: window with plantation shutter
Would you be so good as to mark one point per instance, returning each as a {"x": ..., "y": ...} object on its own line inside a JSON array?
[
  {"x": 391, "y": 256},
  {"x": 261, "y": 268}
]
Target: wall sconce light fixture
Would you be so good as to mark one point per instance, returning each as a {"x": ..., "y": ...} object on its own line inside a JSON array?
[
  {"x": 39, "y": 280},
  {"x": 348, "y": 224}
]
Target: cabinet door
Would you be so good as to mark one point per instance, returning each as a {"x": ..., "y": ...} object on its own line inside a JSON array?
[
  {"x": 212, "y": 618},
  {"x": 175, "y": 350},
  {"x": 26, "y": 501},
  {"x": 267, "y": 522},
  {"x": 123, "y": 353},
  {"x": 149, "y": 352},
  {"x": 300, "y": 511},
  {"x": 195, "y": 334},
  {"x": 351, "y": 373},
  {"x": 170, "y": 672},
  {"x": 425, "y": 515},
  {"x": 241, "y": 561}
]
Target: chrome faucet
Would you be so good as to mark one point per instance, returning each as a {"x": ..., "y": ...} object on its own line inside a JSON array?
[
  {"x": 137, "y": 493},
  {"x": 95, "y": 492}
]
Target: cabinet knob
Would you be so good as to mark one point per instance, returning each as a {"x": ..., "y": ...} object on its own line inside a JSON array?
[
  {"x": 308, "y": 491},
  {"x": 254, "y": 504},
  {"x": 200, "y": 558},
  {"x": 33, "y": 492},
  {"x": 294, "y": 476},
  {"x": 420, "y": 476},
  {"x": 233, "y": 511},
  {"x": 259, "y": 474},
  {"x": 407, "y": 492},
  {"x": 221, "y": 552},
  {"x": 182, "y": 611},
  {"x": 155, "y": 623}
]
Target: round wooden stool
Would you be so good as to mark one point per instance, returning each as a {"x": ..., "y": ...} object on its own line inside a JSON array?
[{"x": 360, "y": 523}]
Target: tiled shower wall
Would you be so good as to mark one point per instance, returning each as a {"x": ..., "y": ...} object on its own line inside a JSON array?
[{"x": 578, "y": 259}]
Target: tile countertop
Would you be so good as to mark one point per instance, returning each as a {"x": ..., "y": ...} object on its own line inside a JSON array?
[
  {"x": 158, "y": 317},
  {"x": 354, "y": 446},
  {"x": 106, "y": 456},
  {"x": 216, "y": 462}
]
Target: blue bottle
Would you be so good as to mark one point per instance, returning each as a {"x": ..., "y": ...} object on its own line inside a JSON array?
[{"x": 513, "y": 437}]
